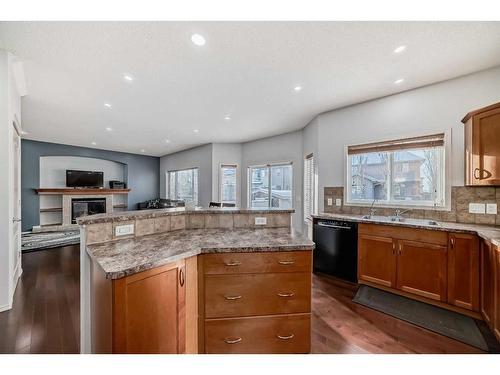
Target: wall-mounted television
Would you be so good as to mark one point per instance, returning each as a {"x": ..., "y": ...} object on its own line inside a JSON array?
[{"x": 84, "y": 179}]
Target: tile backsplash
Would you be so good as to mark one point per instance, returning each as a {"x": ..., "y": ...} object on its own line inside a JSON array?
[{"x": 461, "y": 196}]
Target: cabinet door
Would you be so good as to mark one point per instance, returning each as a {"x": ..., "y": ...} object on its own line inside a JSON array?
[
  {"x": 487, "y": 282},
  {"x": 377, "y": 260},
  {"x": 463, "y": 271},
  {"x": 486, "y": 148},
  {"x": 421, "y": 269},
  {"x": 149, "y": 311},
  {"x": 496, "y": 292}
]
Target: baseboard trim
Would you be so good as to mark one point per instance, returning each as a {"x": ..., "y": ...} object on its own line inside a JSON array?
[{"x": 15, "y": 280}]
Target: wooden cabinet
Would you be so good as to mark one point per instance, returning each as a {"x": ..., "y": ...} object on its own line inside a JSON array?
[
  {"x": 145, "y": 312},
  {"x": 433, "y": 266},
  {"x": 487, "y": 282},
  {"x": 148, "y": 311},
  {"x": 421, "y": 269},
  {"x": 482, "y": 146},
  {"x": 376, "y": 260},
  {"x": 496, "y": 292},
  {"x": 463, "y": 271},
  {"x": 255, "y": 302}
]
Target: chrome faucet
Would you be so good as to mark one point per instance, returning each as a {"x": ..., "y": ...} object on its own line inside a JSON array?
[
  {"x": 399, "y": 212},
  {"x": 373, "y": 210}
]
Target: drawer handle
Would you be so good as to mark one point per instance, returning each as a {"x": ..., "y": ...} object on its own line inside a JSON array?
[
  {"x": 286, "y": 262},
  {"x": 232, "y": 298},
  {"x": 231, "y": 264},
  {"x": 232, "y": 340},
  {"x": 291, "y": 294},
  {"x": 285, "y": 337}
]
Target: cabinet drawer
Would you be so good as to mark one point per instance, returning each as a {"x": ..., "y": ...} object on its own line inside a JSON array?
[
  {"x": 257, "y": 294},
  {"x": 235, "y": 263},
  {"x": 399, "y": 232},
  {"x": 276, "y": 334}
]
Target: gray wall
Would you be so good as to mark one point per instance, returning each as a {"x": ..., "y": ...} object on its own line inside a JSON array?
[
  {"x": 141, "y": 174},
  {"x": 421, "y": 111},
  {"x": 198, "y": 157}
]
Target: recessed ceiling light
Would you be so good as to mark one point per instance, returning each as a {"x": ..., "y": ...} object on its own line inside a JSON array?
[
  {"x": 94, "y": 144},
  {"x": 128, "y": 77},
  {"x": 167, "y": 140},
  {"x": 297, "y": 88},
  {"x": 227, "y": 118},
  {"x": 196, "y": 130},
  {"x": 400, "y": 49},
  {"x": 109, "y": 129},
  {"x": 398, "y": 81},
  {"x": 24, "y": 132},
  {"x": 107, "y": 105},
  {"x": 142, "y": 150},
  {"x": 198, "y": 39}
]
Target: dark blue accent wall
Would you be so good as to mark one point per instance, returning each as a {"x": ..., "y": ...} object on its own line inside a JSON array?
[{"x": 142, "y": 174}]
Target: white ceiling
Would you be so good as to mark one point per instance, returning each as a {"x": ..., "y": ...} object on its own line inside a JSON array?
[{"x": 246, "y": 69}]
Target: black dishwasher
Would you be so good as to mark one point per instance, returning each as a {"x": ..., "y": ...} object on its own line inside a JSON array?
[{"x": 336, "y": 251}]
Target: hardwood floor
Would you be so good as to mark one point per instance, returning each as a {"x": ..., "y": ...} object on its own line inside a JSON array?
[
  {"x": 341, "y": 326},
  {"x": 45, "y": 315}
]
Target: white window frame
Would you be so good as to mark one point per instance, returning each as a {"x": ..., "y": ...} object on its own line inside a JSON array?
[
  {"x": 268, "y": 165},
  {"x": 445, "y": 185},
  {"x": 314, "y": 190},
  {"x": 221, "y": 166},
  {"x": 195, "y": 191}
]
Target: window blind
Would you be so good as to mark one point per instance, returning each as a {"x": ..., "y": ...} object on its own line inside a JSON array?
[
  {"x": 427, "y": 141},
  {"x": 308, "y": 186}
]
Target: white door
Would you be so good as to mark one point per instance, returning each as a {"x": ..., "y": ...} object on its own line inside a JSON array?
[{"x": 16, "y": 200}]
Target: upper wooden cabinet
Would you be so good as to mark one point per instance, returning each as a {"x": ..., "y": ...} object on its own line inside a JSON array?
[{"x": 482, "y": 146}]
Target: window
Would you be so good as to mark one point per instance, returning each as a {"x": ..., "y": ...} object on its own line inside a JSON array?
[
  {"x": 309, "y": 188},
  {"x": 404, "y": 172},
  {"x": 183, "y": 185},
  {"x": 227, "y": 188},
  {"x": 270, "y": 186}
]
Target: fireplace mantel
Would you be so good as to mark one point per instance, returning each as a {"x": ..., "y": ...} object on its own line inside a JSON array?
[{"x": 70, "y": 191}]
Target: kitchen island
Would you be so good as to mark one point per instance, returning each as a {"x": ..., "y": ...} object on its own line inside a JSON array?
[{"x": 202, "y": 281}]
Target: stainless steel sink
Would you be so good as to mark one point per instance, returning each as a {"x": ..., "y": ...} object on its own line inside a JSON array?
[{"x": 399, "y": 219}]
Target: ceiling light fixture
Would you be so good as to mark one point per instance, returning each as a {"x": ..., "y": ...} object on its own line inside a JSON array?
[
  {"x": 227, "y": 118},
  {"x": 107, "y": 105},
  {"x": 23, "y": 132},
  {"x": 94, "y": 144},
  {"x": 167, "y": 140},
  {"x": 109, "y": 129},
  {"x": 127, "y": 77},
  {"x": 297, "y": 88},
  {"x": 198, "y": 40},
  {"x": 196, "y": 130},
  {"x": 398, "y": 81},
  {"x": 142, "y": 150},
  {"x": 400, "y": 49}
]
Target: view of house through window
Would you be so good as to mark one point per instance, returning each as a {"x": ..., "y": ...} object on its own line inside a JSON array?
[
  {"x": 405, "y": 172},
  {"x": 228, "y": 183},
  {"x": 183, "y": 185},
  {"x": 270, "y": 186}
]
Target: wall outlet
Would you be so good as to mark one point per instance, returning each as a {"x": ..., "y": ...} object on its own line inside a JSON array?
[
  {"x": 124, "y": 230},
  {"x": 477, "y": 208},
  {"x": 329, "y": 201},
  {"x": 260, "y": 220},
  {"x": 338, "y": 202},
  {"x": 491, "y": 208}
]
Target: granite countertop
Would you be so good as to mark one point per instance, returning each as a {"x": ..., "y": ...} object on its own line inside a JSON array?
[
  {"x": 128, "y": 256},
  {"x": 148, "y": 214},
  {"x": 489, "y": 233}
]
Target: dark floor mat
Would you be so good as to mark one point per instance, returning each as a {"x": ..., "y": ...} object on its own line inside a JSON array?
[{"x": 433, "y": 318}]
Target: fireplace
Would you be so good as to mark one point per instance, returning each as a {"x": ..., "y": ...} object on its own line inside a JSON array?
[{"x": 86, "y": 206}]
